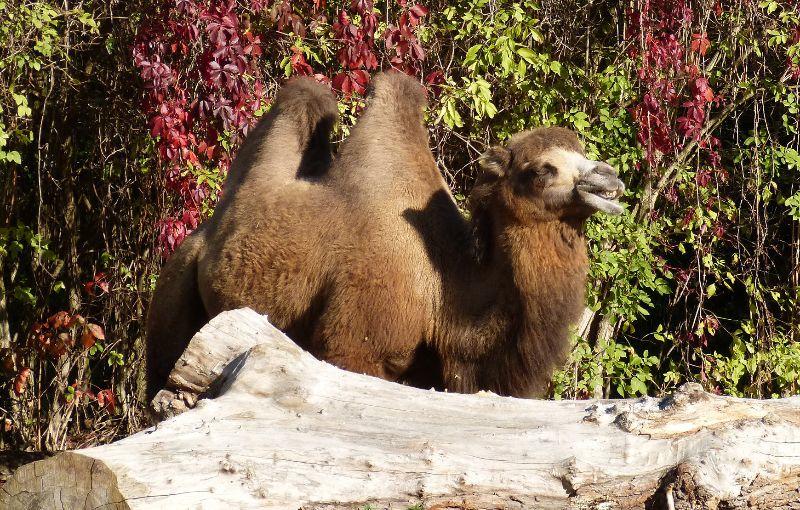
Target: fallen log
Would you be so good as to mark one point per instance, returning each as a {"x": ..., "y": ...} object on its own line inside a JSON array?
[{"x": 285, "y": 430}]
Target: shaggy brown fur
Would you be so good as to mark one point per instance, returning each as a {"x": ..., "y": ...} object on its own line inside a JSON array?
[
  {"x": 366, "y": 261},
  {"x": 290, "y": 145}
]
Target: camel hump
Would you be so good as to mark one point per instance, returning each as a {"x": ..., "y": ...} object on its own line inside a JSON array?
[
  {"x": 291, "y": 141},
  {"x": 389, "y": 143},
  {"x": 399, "y": 90},
  {"x": 310, "y": 104}
]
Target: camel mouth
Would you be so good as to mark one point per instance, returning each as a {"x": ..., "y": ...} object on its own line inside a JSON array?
[
  {"x": 608, "y": 195},
  {"x": 602, "y": 198}
]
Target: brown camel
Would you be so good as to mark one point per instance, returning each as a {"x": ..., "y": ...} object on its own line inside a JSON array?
[{"x": 366, "y": 261}]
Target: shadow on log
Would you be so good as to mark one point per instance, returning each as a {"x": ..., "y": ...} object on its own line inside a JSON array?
[{"x": 288, "y": 431}]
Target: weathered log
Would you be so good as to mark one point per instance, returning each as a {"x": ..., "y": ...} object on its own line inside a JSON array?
[{"x": 289, "y": 431}]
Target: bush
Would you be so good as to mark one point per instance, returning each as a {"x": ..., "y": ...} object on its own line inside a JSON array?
[{"x": 696, "y": 103}]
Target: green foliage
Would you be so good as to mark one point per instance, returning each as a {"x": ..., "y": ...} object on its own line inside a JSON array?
[
  {"x": 697, "y": 281},
  {"x": 72, "y": 214},
  {"x": 670, "y": 278},
  {"x": 623, "y": 256},
  {"x": 17, "y": 245},
  {"x": 35, "y": 23},
  {"x": 630, "y": 372}
]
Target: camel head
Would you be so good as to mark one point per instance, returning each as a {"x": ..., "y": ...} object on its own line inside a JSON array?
[{"x": 543, "y": 175}]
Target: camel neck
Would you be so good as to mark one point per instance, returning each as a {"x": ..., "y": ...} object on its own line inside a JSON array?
[
  {"x": 536, "y": 259},
  {"x": 528, "y": 286},
  {"x": 543, "y": 266}
]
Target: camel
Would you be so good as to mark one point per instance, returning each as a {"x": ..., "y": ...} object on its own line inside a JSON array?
[{"x": 366, "y": 261}]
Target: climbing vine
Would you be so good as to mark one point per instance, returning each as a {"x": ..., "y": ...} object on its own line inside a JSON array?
[{"x": 208, "y": 69}]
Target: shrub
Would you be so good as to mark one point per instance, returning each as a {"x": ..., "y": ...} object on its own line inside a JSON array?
[{"x": 695, "y": 102}]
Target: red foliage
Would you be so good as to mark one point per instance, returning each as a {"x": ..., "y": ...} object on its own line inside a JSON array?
[
  {"x": 106, "y": 400},
  {"x": 401, "y": 41},
  {"x": 671, "y": 83},
  {"x": 97, "y": 285},
  {"x": 21, "y": 381},
  {"x": 56, "y": 335},
  {"x": 199, "y": 63},
  {"x": 700, "y": 43}
]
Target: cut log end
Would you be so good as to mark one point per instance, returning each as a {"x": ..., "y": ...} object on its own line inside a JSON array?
[{"x": 68, "y": 481}]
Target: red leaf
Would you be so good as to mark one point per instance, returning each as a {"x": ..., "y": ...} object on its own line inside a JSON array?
[
  {"x": 59, "y": 320},
  {"x": 700, "y": 43},
  {"x": 97, "y": 282},
  {"x": 21, "y": 380},
  {"x": 415, "y": 13},
  {"x": 360, "y": 80},
  {"x": 76, "y": 319},
  {"x": 434, "y": 78},
  {"x": 87, "y": 339},
  {"x": 342, "y": 83},
  {"x": 96, "y": 331},
  {"x": 703, "y": 177},
  {"x": 434, "y": 81},
  {"x": 419, "y": 10},
  {"x": 105, "y": 399}
]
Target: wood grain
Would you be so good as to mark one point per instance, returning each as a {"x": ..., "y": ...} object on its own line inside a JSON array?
[{"x": 287, "y": 431}]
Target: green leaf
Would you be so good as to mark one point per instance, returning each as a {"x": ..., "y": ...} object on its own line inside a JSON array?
[
  {"x": 14, "y": 157},
  {"x": 527, "y": 53},
  {"x": 638, "y": 387},
  {"x": 472, "y": 53}
]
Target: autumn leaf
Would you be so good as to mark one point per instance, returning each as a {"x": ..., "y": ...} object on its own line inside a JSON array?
[
  {"x": 700, "y": 43},
  {"x": 106, "y": 400},
  {"x": 417, "y": 12},
  {"x": 87, "y": 339},
  {"x": 76, "y": 319},
  {"x": 20, "y": 382},
  {"x": 95, "y": 331},
  {"x": 59, "y": 320},
  {"x": 99, "y": 281}
]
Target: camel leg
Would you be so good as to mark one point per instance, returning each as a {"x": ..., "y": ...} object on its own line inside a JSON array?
[
  {"x": 176, "y": 312},
  {"x": 355, "y": 334},
  {"x": 358, "y": 364},
  {"x": 460, "y": 376}
]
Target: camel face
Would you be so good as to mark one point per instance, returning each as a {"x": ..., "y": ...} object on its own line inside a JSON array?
[
  {"x": 564, "y": 181},
  {"x": 546, "y": 176}
]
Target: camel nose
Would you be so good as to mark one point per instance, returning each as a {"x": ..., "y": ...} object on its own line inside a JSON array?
[
  {"x": 603, "y": 176},
  {"x": 604, "y": 169}
]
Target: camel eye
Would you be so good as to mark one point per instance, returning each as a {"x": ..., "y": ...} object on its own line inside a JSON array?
[
  {"x": 548, "y": 169},
  {"x": 527, "y": 173}
]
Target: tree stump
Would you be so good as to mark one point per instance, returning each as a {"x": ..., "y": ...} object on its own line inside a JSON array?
[{"x": 284, "y": 430}]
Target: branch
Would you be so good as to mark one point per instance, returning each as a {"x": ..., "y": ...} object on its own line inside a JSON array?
[{"x": 648, "y": 202}]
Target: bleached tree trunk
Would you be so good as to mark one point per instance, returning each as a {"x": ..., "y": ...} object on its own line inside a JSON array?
[{"x": 288, "y": 431}]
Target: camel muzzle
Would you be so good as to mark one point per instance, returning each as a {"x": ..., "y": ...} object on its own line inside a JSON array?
[{"x": 600, "y": 188}]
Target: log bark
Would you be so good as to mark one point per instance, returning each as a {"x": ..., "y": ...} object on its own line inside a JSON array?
[{"x": 288, "y": 431}]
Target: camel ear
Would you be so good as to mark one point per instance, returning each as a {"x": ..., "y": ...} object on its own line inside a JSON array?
[{"x": 495, "y": 161}]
